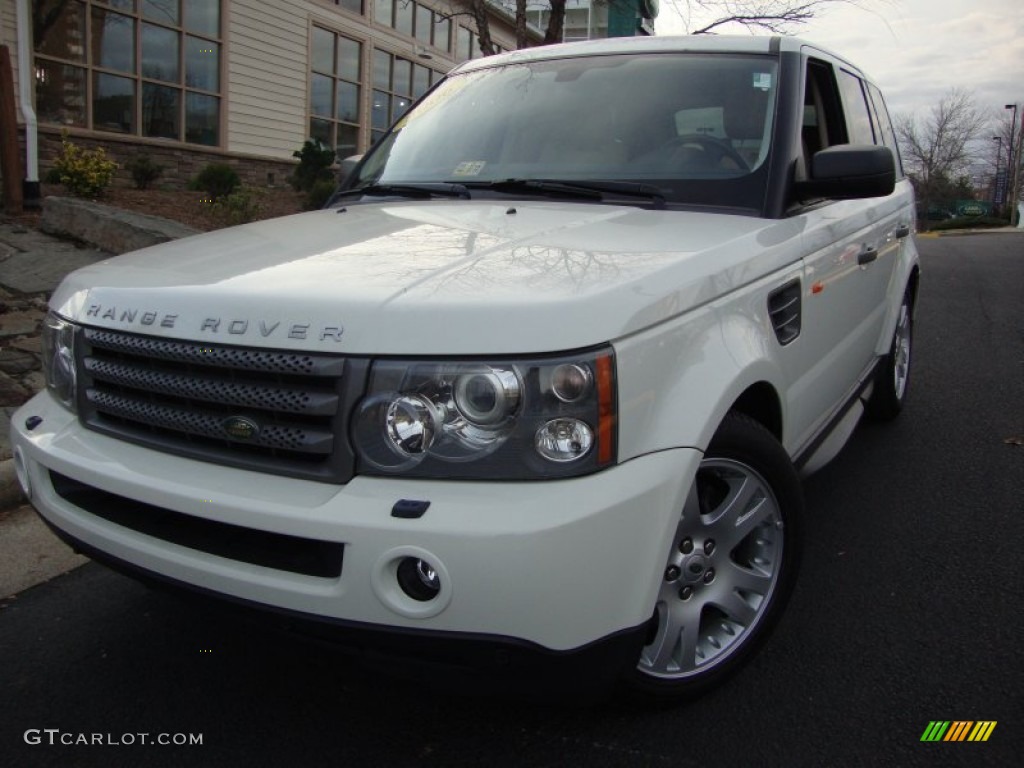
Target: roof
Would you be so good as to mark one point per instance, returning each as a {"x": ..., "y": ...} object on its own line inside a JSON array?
[{"x": 656, "y": 44}]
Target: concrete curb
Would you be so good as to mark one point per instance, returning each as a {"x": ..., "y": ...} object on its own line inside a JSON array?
[
  {"x": 966, "y": 232},
  {"x": 29, "y": 552}
]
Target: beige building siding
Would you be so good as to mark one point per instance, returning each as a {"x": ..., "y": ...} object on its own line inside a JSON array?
[
  {"x": 265, "y": 73},
  {"x": 267, "y": 94},
  {"x": 267, "y": 51}
]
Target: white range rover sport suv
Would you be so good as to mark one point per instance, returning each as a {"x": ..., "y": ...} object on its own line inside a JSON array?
[{"x": 536, "y": 387}]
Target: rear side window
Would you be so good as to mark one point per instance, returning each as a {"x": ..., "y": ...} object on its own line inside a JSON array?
[
  {"x": 855, "y": 105},
  {"x": 885, "y": 126}
]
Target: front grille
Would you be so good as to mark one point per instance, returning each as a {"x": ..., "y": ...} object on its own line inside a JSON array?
[
  {"x": 269, "y": 411},
  {"x": 282, "y": 552}
]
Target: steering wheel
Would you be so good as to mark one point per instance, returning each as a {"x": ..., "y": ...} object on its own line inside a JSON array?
[{"x": 717, "y": 149}]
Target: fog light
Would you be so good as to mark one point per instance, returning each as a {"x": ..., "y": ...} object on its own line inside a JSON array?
[
  {"x": 564, "y": 440},
  {"x": 418, "y": 579}
]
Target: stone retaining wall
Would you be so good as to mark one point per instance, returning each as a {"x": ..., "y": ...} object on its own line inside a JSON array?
[
  {"x": 109, "y": 229},
  {"x": 180, "y": 164}
]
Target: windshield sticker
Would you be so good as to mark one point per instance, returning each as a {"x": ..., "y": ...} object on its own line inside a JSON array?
[
  {"x": 469, "y": 168},
  {"x": 763, "y": 80}
]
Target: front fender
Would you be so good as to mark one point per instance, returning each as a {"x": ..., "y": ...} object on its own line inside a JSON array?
[{"x": 678, "y": 380}]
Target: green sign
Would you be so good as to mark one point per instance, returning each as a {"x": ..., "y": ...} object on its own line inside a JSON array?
[{"x": 973, "y": 208}]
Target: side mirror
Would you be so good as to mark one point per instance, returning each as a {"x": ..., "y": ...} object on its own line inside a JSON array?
[{"x": 848, "y": 172}]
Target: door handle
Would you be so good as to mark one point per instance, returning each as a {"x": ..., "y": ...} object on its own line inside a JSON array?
[
  {"x": 867, "y": 255},
  {"x": 902, "y": 231}
]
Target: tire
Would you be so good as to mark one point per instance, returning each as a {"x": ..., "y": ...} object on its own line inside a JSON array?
[
  {"x": 892, "y": 379},
  {"x": 731, "y": 566}
]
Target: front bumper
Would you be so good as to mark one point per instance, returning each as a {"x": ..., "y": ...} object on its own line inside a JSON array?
[{"x": 557, "y": 564}]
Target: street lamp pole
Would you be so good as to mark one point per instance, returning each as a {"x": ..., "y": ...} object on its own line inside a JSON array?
[
  {"x": 998, "y": 186},
  {"x": 1012, "y": 168}
]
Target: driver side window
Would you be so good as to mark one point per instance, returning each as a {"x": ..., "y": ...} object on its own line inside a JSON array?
[{"x": 823, "y": 124}]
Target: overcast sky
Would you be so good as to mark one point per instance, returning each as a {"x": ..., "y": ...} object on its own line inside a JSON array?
[{"x": 916, "y": 50}]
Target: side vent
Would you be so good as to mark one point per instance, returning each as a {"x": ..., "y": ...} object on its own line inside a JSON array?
[{"x": 784, "y": 311}]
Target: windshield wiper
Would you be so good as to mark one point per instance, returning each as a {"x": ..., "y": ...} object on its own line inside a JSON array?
[
  {"x": 587, "y": 190},
  {"x": 420, "y": 191}
]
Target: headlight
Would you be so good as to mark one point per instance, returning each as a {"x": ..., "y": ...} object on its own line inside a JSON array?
[
  {"x": 58, "y": 352},
  {"x": 514, "y": 419}
]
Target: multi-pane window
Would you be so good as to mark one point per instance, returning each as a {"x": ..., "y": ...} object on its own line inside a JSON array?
[
  {"x": 415, "y": 20},
  {"x": 354, "y": 6},
  {"x": 335, "y": 91},
  {"x": 397, "y": 83},
  {"x": 141, "y": 67},
  {"x": 467, "y": 45},
  {"x": 584, "y": 20}
]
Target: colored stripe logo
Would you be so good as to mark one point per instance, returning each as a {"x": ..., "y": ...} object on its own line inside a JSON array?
[{"x": 958, "y": 730}]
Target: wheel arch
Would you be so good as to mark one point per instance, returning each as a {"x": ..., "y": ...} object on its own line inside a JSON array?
[
  {"x": 761, "y": 402},
  {"x": 913, "y": 283},
  {"x": 910, "y": 278},
  {"x": 692, "y": 380}
]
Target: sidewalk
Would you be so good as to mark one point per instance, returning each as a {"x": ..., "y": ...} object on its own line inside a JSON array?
[
  {"x": 29, "y": 552},
  {"x": 31, "y": 266}
]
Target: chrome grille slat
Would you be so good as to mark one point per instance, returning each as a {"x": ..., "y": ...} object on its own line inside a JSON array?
[
  {"x": 239, "y": 358},
  {"x": 214, "y": 389},
  {"x": 287, "y": 437}
]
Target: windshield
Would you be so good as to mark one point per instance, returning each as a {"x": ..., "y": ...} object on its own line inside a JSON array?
[{"x": 697, "y": 127}]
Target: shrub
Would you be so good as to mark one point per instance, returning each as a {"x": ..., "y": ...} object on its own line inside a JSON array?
[
  {"x": 83, "y": 172},
  {"x": 217, "y": 180},
  {"x": 970, "y": 222},
  {"x": 315, "y": 161},
  {"x": 243, "y": 205},
  {"x": 319, "y": 194},
  {"x": 144, "y": 171}
]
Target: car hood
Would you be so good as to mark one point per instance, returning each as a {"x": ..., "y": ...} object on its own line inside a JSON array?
[{"x": 437, "y": 277}]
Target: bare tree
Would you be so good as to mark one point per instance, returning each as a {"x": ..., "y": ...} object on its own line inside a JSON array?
[
  {"x": 478, "y": 9},
  {"x": 937, "y": 150},
  {"x": 522, "y": 39},
  {"x": 556, "y": 23},
  {"x": 779, "y": 16}
]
